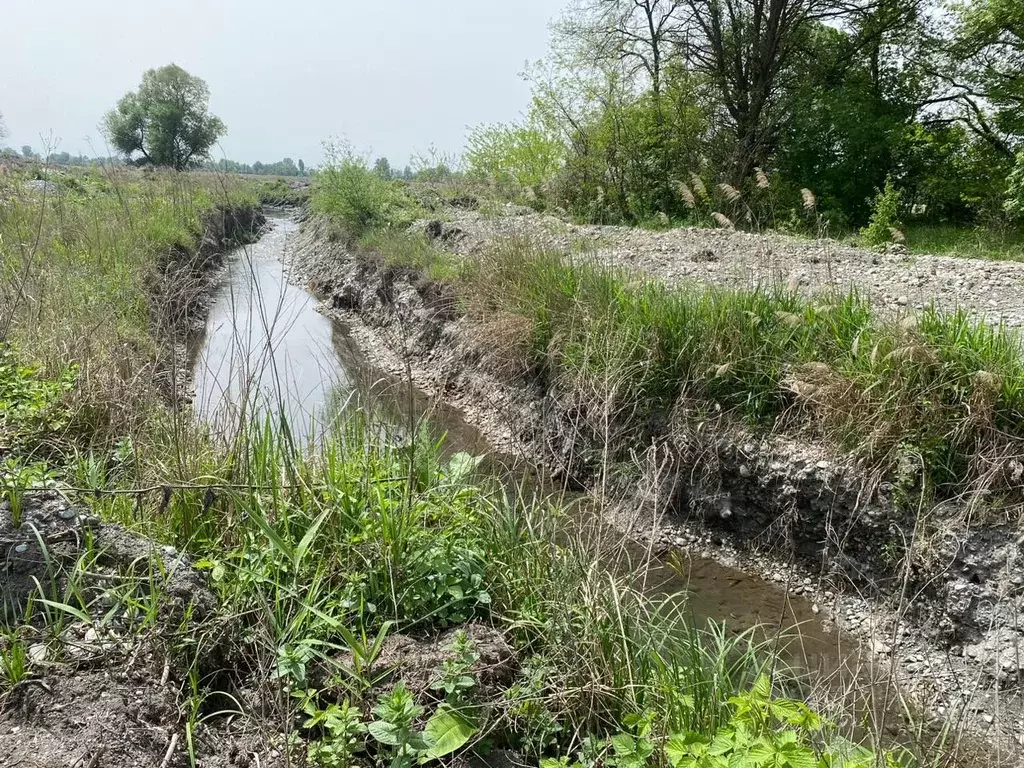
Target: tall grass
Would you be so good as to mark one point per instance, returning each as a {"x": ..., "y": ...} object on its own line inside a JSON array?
[
  {"x": 84, "y": 259},
  {"x": 942, "y": 385},
  {"x": 998, "y": 243}
]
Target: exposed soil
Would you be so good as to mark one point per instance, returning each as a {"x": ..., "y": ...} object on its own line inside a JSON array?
[
  {"x": 110, "y": 694},
  {"x": 945, "y": 627}
]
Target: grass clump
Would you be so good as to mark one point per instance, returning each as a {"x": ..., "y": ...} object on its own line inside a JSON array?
[{"x": 947, "y": 386}]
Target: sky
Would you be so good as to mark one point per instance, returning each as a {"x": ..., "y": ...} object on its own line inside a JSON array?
[{"x": 394, "y": 77}]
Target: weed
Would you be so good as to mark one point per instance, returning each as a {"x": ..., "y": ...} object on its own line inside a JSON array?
[
  {"x": 343, "y": 732},
  {"x": 884, "y": 225},
  {"x": 454, "y": 678},
  {"x": 16, "y": 480}
]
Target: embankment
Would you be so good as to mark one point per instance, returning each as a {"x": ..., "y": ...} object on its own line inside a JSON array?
[{"x": 934, "y": 591}]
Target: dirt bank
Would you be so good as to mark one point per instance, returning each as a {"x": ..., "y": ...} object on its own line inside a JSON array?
[
  {"x": 943, "y": 621},
  {"x": 113, "y": 693}
]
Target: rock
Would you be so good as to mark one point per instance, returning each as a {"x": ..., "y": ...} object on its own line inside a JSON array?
[
  {"x": 883, "y": 649},
  {"x": 902, "y": 301}
]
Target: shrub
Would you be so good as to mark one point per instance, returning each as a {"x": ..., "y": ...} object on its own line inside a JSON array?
[
  {"x": 516, "y": 157},
  {"x": 356, "y": 197},
  {"x": 884, "y": 225}
]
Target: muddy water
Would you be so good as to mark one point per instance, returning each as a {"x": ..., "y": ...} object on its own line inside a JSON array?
[{"x": 267, "y": 346}]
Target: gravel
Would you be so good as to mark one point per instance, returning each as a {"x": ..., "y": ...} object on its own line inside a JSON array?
[{"x": 993, "y": 290}]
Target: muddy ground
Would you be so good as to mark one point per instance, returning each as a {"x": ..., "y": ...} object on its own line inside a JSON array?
[{"x": 945, "y": 629}]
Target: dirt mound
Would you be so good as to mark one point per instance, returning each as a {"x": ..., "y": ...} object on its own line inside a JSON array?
[
  {"x": 892, "y": 279},
  {"x": 96, "y": 661}
]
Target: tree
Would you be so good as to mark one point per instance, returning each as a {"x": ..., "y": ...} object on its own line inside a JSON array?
[
  {"x": 302, "y": 167},
  {"x": 382, "y": 168},
  {"x": 985, "y": 72},
  {"x": 638, "y": 34},
  {"x": 3, "y": 127},
  {"x": 167, "y": 121},
  {"x": 26, "y": 151}
]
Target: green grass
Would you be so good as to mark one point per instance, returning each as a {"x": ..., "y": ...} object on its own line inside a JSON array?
[
  {"x": 944, "y": 388},
  {"x": 377, "y": 534},
  {"x": 970, "y": 242},
  {"x": 83, "y": 281}
]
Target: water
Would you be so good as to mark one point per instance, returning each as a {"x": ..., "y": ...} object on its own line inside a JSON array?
[{"x": 267, "y": 346}]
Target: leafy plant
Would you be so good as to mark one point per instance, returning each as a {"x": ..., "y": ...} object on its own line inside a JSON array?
[
  {"x": 343, "y": 732},
  {"x": 16, "y": 479},
  {"x": 764, "y": 732},
  {"x": 395, "y": 726},
  {"x": 445, "y": 732},
  {"x": 14, "y": 660},
  {"x": 884, "y": 225},
  {"x": 455, "y": 678}
]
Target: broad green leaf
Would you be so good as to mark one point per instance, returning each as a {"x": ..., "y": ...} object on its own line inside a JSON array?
[
  {"x": 447, "y": 731},
  {"x": 383, "y": 732}
]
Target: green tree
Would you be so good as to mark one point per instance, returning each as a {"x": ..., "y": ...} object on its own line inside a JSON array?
[
  {"x": 382, "y": 168},
  {"x": 166, "y": 122},
  {"x": 985, "y": 72},
  {"x": 302, "y": 167},
  {"x": 1015, "y": 195},
  {"x": 3, "y": 127},
  {"x": 520, "y": 156}
]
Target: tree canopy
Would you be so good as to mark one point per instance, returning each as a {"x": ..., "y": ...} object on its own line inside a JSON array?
[
  {"x": 166, "y": 122},
  {"x": 761, "y": 99}
]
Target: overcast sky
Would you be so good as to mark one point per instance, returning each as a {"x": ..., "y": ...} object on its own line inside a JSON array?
[{"x": 394, "y": 76}]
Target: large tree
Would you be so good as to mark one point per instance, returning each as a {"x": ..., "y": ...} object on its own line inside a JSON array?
[
  {"x": 165, "y": 122},
  {"x": 986, "y": 71}
]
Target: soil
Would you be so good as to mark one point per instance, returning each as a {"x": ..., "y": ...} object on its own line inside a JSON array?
[
  {"x": 107, "y": 694},
  {"x": 945, "y": 629}
]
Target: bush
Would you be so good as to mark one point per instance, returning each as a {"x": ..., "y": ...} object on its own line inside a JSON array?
[
  {"x": 884, "y": 225},
  {"x": 515, "y": 157},
  {"x": 357, "y": 198}
]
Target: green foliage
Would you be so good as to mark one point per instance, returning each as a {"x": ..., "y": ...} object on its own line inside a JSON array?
[
  {"x": 14, "y": 661},
  {"x": 348, "y": 191},
  {"x": 455, "y": 678},
  {"x": 516, "y": 157},
  {"x": 884, "y": 225},
  {"x": 166, "y": 121},
  {"x": 343, "y": 733},
  {"x": 18, "y": 478},
  {"x": 1015, "y": 192},
  {"x": 396, "y": 716},
  {"x": 31, "y": 405}
]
